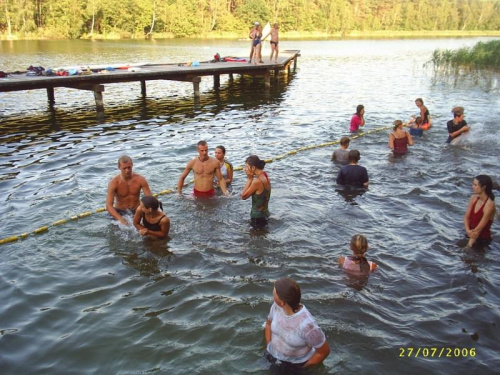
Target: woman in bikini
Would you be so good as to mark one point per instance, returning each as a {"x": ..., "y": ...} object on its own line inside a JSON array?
[
  {"x": 258, "y": 187},
  {"x": 399, "y": 139},
  {"x": 480, "y": 212},
  {"x": 154, "y": 221}
]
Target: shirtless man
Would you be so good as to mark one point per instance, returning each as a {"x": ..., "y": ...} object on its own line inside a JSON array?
[
  {"x": 124, "y": 190},
  {"x": 275, "y": 39},
  {"x": 204, "y": 168}
]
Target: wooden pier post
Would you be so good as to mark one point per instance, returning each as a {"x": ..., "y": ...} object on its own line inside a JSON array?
[
  {"x": 196, "y": 87},
  {"x": 231, "y": 78},
  {"x": 143, "y": 88},
  {"x": 276, "y": 74},
  {"x": 295, "y": 63},
  {"x": 216, "y": 81},
  {"x": 50, "y": 95},
  {"x": 267, "y": 77}
]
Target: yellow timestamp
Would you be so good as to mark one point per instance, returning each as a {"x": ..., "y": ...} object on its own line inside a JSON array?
[{"x": 437, "y": 352}]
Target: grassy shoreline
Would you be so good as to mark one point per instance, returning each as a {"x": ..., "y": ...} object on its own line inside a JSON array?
[{"x": 291, "y": 35}]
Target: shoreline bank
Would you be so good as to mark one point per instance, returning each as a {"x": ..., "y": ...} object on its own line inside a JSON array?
[{"x": 291, "y": 35}]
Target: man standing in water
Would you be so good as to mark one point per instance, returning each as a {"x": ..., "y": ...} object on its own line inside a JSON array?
[
  {"x": 124, "y": 190},
  {"x": 204, "y": 168}
]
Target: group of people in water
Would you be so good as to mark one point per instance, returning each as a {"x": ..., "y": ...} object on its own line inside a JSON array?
[
  {"x": 293, "y": 338},
  {"x": 481, "y": 210}
]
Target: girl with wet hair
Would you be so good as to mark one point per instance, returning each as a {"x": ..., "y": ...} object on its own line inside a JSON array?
[
  {"x": 357, "y": 262},
  {"x": 358, "y": 119},
  {"x": 424, "y": 113},
  {"x": 226, "y": 168},
  {"x": 149, "y": 218},
  {"x": 480, "y": 211},
  {"x": 294, "y": 340},
  {"x": 399, "y": 139},
  {"x": 258, "y": 186}
]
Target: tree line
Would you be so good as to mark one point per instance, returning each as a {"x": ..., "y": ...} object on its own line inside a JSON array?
[{"x": 185, "y": 18}]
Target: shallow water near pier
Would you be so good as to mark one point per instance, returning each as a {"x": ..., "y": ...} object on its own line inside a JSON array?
[{"x": 91, "y": 296}]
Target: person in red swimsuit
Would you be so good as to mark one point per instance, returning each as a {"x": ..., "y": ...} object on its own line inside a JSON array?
[
  {"x": 204, "y": 168},
  {"x": 481, "y": 211}
]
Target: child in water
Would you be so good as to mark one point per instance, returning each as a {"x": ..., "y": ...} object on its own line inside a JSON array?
[
  {"x": 357, "y": 262},
  {"x": 416, "y": 126}
]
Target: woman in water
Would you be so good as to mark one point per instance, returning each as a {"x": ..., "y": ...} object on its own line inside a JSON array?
[
  {"x": 294, "y": 340},
  {"x": 357, "y": 262},
  {"x": 399, "y": 139},
  {"x": 259, "y": 188},
  {"x": 154, "y": 221},
  {"x": 481, "y": 211},
  {"x": 424, "y": 113},
  {"x": 226, "y": 168},
  {"x": 358, "y": 119}
]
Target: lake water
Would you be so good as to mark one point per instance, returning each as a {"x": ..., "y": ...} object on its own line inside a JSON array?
[{"x": 90, "y": 297}]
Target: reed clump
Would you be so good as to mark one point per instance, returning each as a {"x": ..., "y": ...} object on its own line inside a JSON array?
[{"x": 484, "y": 55}]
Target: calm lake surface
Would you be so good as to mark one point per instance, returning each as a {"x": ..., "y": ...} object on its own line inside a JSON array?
[{"x": 90, "y": 297}]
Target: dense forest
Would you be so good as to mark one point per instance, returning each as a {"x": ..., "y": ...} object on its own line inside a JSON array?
[{"x": 184, "y": 18}]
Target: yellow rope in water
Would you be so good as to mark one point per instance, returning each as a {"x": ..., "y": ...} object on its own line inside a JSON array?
[{"x": 170, "y": 191}]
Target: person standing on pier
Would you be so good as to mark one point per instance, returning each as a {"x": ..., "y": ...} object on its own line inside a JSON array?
[
  {"x": 253, "y": 32},
  {"x": 204, "y": 168},
  {"x": 124, "y": 190},
  {"x": 274, "y": 42}
]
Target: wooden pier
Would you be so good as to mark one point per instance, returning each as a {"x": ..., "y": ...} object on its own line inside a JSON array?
[{"x": 173, "y": 72}]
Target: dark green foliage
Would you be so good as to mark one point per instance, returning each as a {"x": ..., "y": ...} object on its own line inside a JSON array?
[{"x": 181, "y": 18}]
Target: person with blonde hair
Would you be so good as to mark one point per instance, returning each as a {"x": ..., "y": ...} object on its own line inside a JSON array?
[
  {"x": 399, "y": 139},
  {"x": 357, "y": 262}
]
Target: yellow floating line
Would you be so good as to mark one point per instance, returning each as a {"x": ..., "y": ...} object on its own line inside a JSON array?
[
  {"x": 170, "y": 191},
  {"x": 41, "y": 230},
  {"x": 9, "y": 239}
]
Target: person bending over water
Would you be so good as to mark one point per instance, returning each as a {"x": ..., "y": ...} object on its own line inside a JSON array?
[
  {"x": 458, "y": 125},
  {"x": 353, "y": 174},
  {"x": 358, "y": 119},
  {"x": 258, "y": 187},
  {"x": 204, "y": 168},
  {"x": 480, "y": 211},
  {"x": 340, "y": 155},
  {"x": 226, "y": 168},
  {"x": 154, "y": 221},
  {"x": 294, "y": 339},
  {"x": 357, "y": 262},
  {"x": 424, "y": 113},
  {"x": 124, "y": 190},
  {"x": 399, "y": 139}
]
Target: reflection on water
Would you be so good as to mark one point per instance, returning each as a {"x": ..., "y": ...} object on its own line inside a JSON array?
[{"x": 195, "y": 302}]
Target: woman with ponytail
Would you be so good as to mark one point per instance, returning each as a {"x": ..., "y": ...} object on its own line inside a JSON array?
[
  {"x": 294, "y": 340},
  {"x": 481, "y": 211},
  {"x": 357, "y": 262},
  {"x": 258, "y": 187}
]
